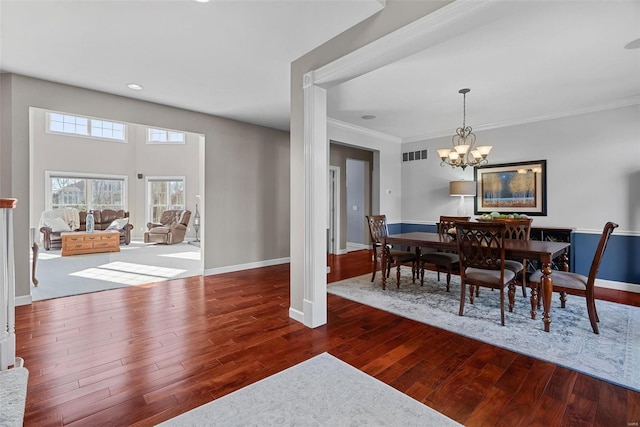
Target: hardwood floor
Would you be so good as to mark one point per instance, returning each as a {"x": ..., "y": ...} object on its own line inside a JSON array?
[{"x": 141, "y": 355}]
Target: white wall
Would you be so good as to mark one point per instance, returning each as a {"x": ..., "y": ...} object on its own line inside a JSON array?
[
  {"x": 74, "y": 153},
  {"x": 593, "y": 170}
]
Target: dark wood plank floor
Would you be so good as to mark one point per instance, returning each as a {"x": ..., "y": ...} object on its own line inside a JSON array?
[{"x": 141, "y": 355}]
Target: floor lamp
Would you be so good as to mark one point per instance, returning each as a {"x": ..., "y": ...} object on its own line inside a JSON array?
[{"x": 461, "y": 189}]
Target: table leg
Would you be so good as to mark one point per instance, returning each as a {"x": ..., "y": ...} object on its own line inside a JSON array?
[
  {"x": 534, "y": 300},
  {"x": 547, "y": 291}
]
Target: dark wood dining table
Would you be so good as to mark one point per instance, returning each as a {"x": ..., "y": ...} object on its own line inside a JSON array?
[{"x": 534, "y": 250}]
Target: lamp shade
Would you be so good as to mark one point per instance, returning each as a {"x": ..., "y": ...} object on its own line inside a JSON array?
[{"x": 462, "y": 188}]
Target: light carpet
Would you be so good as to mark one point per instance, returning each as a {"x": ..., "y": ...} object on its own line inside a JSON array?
[
  {"x": 613, "y": 355},
  {"x": 13, "y": 395},
  {"x": 136, "y": 264},
  {"x": 321, "y": 391}
]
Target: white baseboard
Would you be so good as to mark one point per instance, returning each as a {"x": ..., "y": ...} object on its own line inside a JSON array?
[
  {"x": 356, "y": 246},
  {"x": 248, "y": 266},
  {"x": 296, "y": 315},
  {"x": 621, "y": 286},
  {"x": 23, "y": 300}
]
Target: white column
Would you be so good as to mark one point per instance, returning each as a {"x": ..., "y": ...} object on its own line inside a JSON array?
[
  {"x": 7, "y": 286},
  {"x": 316, "y": 167}
]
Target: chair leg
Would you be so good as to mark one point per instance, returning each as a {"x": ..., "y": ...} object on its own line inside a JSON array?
[
  {"x": 471, "y": 293},
  {"x": 593, "y": 313},
  {"x": 448, "y": 278},
  {"x": 438, "y": 269},
  {"x": 524, "y": 279},
  {"x": 398, "y": 274},
  {"x": 375, "y": 268},
  {"x": 563, "y": 299},
  {"x": 422, "y": 274},
  {"x": 502, "y": 306},
  {"x": 512, "y": 296},
  {"x": 462, "y": 298}
]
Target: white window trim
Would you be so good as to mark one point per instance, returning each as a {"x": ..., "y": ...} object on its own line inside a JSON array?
[
  {"x": 89, "y": 118},
  {"x": 148, "y": 179},
  {"x": 149, "y": 141},
  {"x": 49, "y": 174}
]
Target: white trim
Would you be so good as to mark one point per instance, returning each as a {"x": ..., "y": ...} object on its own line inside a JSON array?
[
  {"x": 616, "y": 232},
  {"x": 362, "y": 131},
  {"x": 89, "y": 126},
  {"x": 23, "y": 300},
  {"x": 247, "y": 266},
  {"x": 335, "y": 236},
  {"x": 408, "y": 221},
  {"x": 342, "y": 251},
  {"x": 610, "y": 105},
  {"x": 621, "y": 286},
  {"x": 427, "y": 31},
  {"x": 357, "y": 246},
  {"x": 296, "y": 314}
]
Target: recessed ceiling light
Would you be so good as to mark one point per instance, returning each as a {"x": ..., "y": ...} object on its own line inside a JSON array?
[
  {"x": 368, "y": 117},
  {"x": 634, "y": 44},
  {"x": 134, "y": 86},
  {"x": 202, "y": 1}
]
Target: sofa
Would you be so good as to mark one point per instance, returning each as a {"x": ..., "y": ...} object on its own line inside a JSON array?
[
  {"x": 102, "y": 220},
  {"x": 170, "y": 229}
]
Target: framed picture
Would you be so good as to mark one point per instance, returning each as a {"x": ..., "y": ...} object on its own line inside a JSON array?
[{"x": 512, "y": 188}]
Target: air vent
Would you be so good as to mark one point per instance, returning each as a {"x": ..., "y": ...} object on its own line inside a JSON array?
[{"x": 414, "y": 155}]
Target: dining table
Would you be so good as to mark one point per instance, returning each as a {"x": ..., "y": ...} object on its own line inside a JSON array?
[{"x": 545, "y": 252}]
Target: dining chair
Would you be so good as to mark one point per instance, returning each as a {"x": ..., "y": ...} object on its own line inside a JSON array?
[
  {"x": 481, "y": 252},
  {"x": 519, "y": 229},
  {"x": 441, "y": 259},
  {"x": 378, "y": 230},
  {"x": 577, "y": 284}
]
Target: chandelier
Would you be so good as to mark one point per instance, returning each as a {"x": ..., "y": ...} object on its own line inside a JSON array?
[{"x": 463, "y": 153}]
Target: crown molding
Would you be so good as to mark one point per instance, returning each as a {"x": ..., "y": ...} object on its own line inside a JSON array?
[
  {"x": 362, "y": 130},
  {"x": 610, "y": 105}
]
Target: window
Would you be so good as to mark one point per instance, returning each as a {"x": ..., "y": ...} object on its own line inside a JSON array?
[
  {"x": 164, "y": 193},
  {"x": 84, "y": 126},
  {"x": 163, "y": 136},
  {"x": 85, "y": 192}
]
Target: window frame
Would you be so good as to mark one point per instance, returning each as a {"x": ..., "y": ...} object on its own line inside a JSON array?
[
  {"x": 162, "y": 178},
  {"x": 167, "y": 133},
  {"x": 89, "y": 135},
  {"x": 48, "y": 195}
]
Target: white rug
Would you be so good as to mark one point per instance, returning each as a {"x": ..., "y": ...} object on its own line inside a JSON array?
[
  {"x": 13, "y": 395},
  {"x": 613, "y": 355},
  {"x": 135, "y": 264},
  {"x": 321, "y": 391}
]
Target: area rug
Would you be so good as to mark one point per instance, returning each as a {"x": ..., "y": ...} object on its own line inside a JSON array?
[
  {"x": 321, "y": 391},
  {"x": 613, "y": 355},
  {"x": 13, "y": 395}
]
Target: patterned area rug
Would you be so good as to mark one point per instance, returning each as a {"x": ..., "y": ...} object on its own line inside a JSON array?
[
  {"x": 613, "y": 355},
  {"x": 321, "y": 391}
]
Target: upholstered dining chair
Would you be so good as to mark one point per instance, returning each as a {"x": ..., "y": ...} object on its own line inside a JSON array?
[
  {"x": 519, "y": 229},
  {"x": 378, "y": 231},
  {"x": 441, "y": 259},
  {"x": 481, "y": 252},
  {"x": 577, "y": 284}
]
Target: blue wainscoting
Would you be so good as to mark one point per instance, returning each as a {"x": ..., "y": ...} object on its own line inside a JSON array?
[{"x": 621, "y": 262}]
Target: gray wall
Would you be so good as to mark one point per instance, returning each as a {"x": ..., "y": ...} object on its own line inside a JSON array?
[
  {"x": 338, "y": 155},
  {"x": 593, "y": 170},
  {"x": 246, "y": 170}
]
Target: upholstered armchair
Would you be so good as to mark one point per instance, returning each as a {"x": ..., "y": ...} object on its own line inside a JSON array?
[{"x": 170, "y": 229}]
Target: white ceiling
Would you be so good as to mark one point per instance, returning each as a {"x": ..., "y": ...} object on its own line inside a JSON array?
[
  {"x": 226, "y": 58},
  {"x": 524, "y": 61}
]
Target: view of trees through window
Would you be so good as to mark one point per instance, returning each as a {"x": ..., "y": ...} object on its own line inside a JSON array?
[
  {"x": 87, "y": 193},
  {"x": 165, "y": 194}
]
